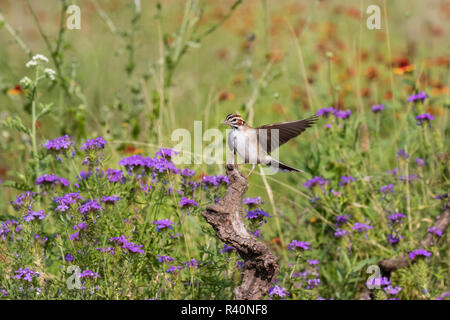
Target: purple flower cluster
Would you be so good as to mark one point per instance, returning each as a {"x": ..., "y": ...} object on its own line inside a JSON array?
[
  {"x": 110, "y": 200},
  {"x": 392, "y": 290},
  {"x": 94, "y": 144},
  {"x": 51, "y": 180},
  {"x": 185, "y": 202},
  {"x": 378, "y": 282},
  {"x": 419, "y": 252},
  {"x": 387, "y": 189},
  {"x": 187, "y": 173},
  {"x": 125, "y": 244},
  {"x": 252, "y": 201},
  {"x": 64, "y": 203},
  {"x": 166, "y": 153},
  {"x": 361, "y": 227},
  {"x": 278, "y": 291},
  {"x": 163, "y": 224},
  {"x": 23, "y": 200},
  {"x": 436, "y": 231},
  {"x": 9, "y": 226},
  {"x": 60, "y": 146},
  {"x": 426, "y": 117},
  {"x": 215, "y": 180},
  {"x": 299, "y": 245},
  {"x": 227, "y": 248},
  {"x": 114, "y": 175},
  {"x": 89, "y": 274},
  {"x": 164, "y": 259},
  {"x": 345, "y": 180},
  {"x": 256, "y": 214},
  {"x": 339, "y": 233},
  {"x": 142, "y": 164},
  {"x": 402, "y": 154},
  {"x": 316, "y": 181},
  {"x": 396, "y": 218},
  {"x": 419, "y": 96},
  {"x": 32, "y": 215},
  {"x": 90, "y": 206},
  {"x": 325, "y": 112},
  {"x": 340, "y": 220},
  {"x": 25, "y": 274},
  {"x": 377, "y": 108}
]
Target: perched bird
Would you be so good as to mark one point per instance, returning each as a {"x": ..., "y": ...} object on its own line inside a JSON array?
[{"x": 254, "y": 145}]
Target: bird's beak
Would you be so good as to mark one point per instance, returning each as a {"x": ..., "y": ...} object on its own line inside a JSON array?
[{"x": 225, "y": 122}]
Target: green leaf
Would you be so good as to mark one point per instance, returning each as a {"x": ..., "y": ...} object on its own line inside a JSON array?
[{"x": 15, "y": 123}]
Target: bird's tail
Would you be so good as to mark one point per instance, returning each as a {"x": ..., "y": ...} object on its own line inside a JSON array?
[{"x": 277, "y": 165}]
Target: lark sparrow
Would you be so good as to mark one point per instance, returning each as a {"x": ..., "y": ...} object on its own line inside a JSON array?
[{"x": 254, "y": 145}]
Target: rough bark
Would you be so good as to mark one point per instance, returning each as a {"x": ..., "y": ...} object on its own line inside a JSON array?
[{"x": 260, "y": 265}]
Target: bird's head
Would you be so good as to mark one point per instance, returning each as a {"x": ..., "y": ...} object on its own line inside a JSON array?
[{"x": 234, "y": 120}]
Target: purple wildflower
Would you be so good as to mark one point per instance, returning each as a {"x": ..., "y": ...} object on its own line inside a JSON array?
[
  {"x": 381, "y": 281},
  {"x": 32, "y": 215},
  {"x": 164, "y": 259},
  {"x": 111, "y": 199},
  {"x": 436, "y": 231},
  {"x": 313, "y": 283},
  {"x": 325, "y": 112},
  {"x": 60, "y": 146},
  {"x": 130, "y": 246},
  {"x": 420, "y": 162},
  {"x": 392, "y": 239},
  {"x": 339, "y": 233},
  {"x": 215, "y": 180},
  {"x": 426, "y": 117},
  {"x": 256, "y": 214},
  {"x": 252, "y": 201},
  {"x": 299, "y": 244},
  {"x": 65, "y": 202},
  {"x": 166, "y": 153},
  {"x": 343, "y": 114},
  {"x": 419, "y": 96},
  {"x": 419, "y": 252},
  {"x": 316, "y": 181},
  {"x": 114, "y": 175},
  {"x": 345, "y": 180},
  {"x": 402, "y": 154},
  {"x": 391, "y": 290},
  {"x": 377, "y": 108},
  {"x": 340, "y": 220},
  {"x": 52, "y": 180},
  {"x": 90, "y": 206},
  {"x": 360, "y": 227},
  {"x": 278, "y": 291},
  {"x": 89, "y": 274},
  {"x": 441, "y": 197},
  {"x": 187, "y": 173},
  {"x": 163, "y": 224},
  {"x": 387, "y": 189},
  {"x": 25, "y": 274},
  {"x": 185, "y": 202},
  {"x": 94, "y": 144},
  {"x": 23, "y": 200},
  {"x": 69, "y": 257},
  {"x": 192, "y": 263},
  {"x": 396, "y": 217},
  {"x": 227, "y": 248}
]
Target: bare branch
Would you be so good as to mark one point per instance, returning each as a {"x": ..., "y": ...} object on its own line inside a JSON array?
[{"x": 261, "y": 265}]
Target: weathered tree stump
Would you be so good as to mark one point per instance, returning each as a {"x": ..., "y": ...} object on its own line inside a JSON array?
[{"x": 260, "y": 264}]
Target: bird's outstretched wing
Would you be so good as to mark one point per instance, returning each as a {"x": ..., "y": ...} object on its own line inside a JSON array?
[{"x": 271, "y": 136}]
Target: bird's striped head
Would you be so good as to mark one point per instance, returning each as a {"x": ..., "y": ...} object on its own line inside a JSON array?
[{"x": 234, "y": 120}]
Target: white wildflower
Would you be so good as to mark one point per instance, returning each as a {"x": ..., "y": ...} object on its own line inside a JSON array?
[
  {"x": 36, "y": 59},
  {"x": 50, "y": 73},
  {"x": 40, "y": 57},
  {"x": 31, "y": 63},
  {"x": 25, "y": 82}
]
